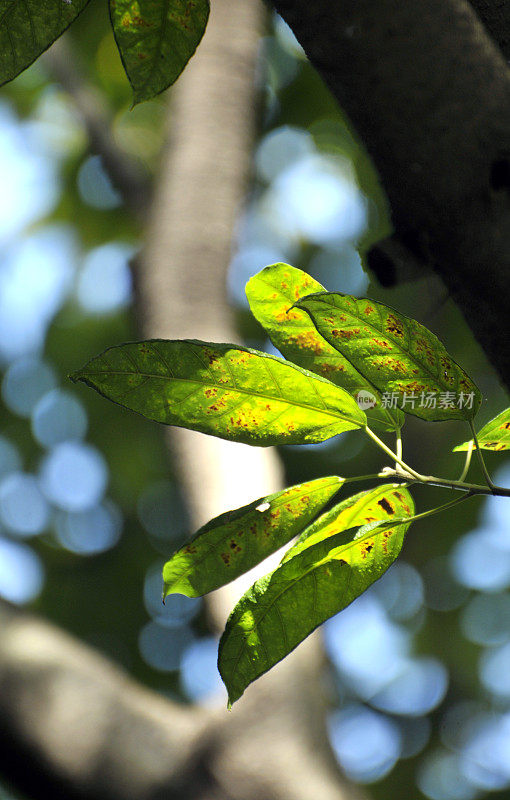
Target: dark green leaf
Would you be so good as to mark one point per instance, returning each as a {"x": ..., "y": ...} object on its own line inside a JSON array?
[
  {"x": 27, "y": 28},
  {"x": 224, "y": 390},
  {"x": 404, "y": 360},
  {"x": 156, "y": 40},
  {"x": 271, "y": 294},
  {"x": 236, "y": 541},
  {"x": 283, "y": 608},
  {"x": 495, "y": 435},
  {"x": 382, "y": 503}
]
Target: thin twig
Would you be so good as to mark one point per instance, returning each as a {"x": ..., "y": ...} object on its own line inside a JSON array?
[
  {"x": 124, "y": 172},
  {"x": 479, "y": 453}
]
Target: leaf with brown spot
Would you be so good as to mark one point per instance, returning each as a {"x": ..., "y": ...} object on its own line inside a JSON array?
[
  {"x": 396, "y": 354},
  {"x": 271, "y": 294},
  {"x": 495, "y": 435},
  {"x": 283, "y": 608},
  {"x": 236, "y": 541},
  {"x": 259, "y": 399},
  {"x": 382, "y": 503},
  {"x": 156, "y": 40}
]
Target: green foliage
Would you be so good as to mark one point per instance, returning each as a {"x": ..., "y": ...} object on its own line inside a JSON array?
[
  {"x": 318, "y": 581},
  {"x": 247, "y": 396},
  {"x": 271, "y": 294},
  {"x": 28, "y": 28},
  {"x": 495, "y": 435},
  {"x": 383, "y": 503},
  {"x": 156, "y": 40},
  {"x": 224, "y": 390},
  {"x": 396, "y": 353},
  {"x": 236, "y": 541}
]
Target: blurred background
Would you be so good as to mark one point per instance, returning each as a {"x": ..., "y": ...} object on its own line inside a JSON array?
[{"x": 418, "y": 674}]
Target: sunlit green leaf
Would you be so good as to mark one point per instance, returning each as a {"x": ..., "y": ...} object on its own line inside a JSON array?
[
  {"x": 224, "y": 390},
  {"x": 27, "y": 28},
  {"x": 495, "y": 435},
  {"x": 283, "y": 608},
  {"x": 271, "y": 294},
  {"x": 382, "y": 503},
  {"x": 404, "y": 360},
  {"x": 236, "y": 541},
  {"x": 156, "y": 39}
]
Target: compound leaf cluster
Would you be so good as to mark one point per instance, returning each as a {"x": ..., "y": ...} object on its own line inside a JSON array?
[{"x": 334, "y": 346}]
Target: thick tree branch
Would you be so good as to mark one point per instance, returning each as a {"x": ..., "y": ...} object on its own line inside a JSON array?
[
  {"x": 429, "y": 94},
  {"x": 74, "y": 725}
]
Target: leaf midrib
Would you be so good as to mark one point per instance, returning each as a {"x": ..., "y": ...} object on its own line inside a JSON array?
[
  {"x": 226, "y": 387},
  {"x": 341, "y": 549},
  {"x": 398, "y": 349}
]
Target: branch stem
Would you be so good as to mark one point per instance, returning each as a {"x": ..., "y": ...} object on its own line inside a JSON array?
[
  {"x": 479, "y": 453},
  {"x": 394, "y": 456},
  {"x": 467, "y": 462}
]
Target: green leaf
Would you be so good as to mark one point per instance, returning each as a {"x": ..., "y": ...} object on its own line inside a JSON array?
[
  {"x": 495, "y": 435},
  {"x": 283, "y": 608},
  {"x": 223, "y": 390},
  {"x": 27, "y": 28},
  {"x": 404, "y": 360},
  {"x": 271, "y": 294},
  {"x": 236, "y": 541},
  {"x": 156, "y": 40},
  {"x": 382, "y": 503}
]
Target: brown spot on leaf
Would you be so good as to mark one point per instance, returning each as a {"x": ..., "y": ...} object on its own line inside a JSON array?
[
  {"x": 394, "y": 325},
  {"x": 366, "y": 548},
  {"x": 308, "y": 340},
  {"x": 340, "y": 333},
  {"x": 386, "y": 505}
]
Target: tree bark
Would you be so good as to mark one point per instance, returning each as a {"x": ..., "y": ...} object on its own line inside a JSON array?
[{"x": 429, "y": 94}]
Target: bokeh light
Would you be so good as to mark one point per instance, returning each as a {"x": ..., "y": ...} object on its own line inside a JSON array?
[
  {"x": 104, "y": 284},
  {"x": 163, "y": 647},
  {"x": 58, "y": 416},
  {"x": 35, "y": 278},
  {"x": 21, "y": 572},
  {"x": 24, "y": 383},
  {"x": 74, "y": 476},
  {"x": 200, "y": 678},
  {"x": 23, "y": 508},
  {"x": 89, "y": 532},
  {"x": 366, "y": 744},
  {"x": 32, "y": 181},
  {"x": 95, "y": 186}
]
